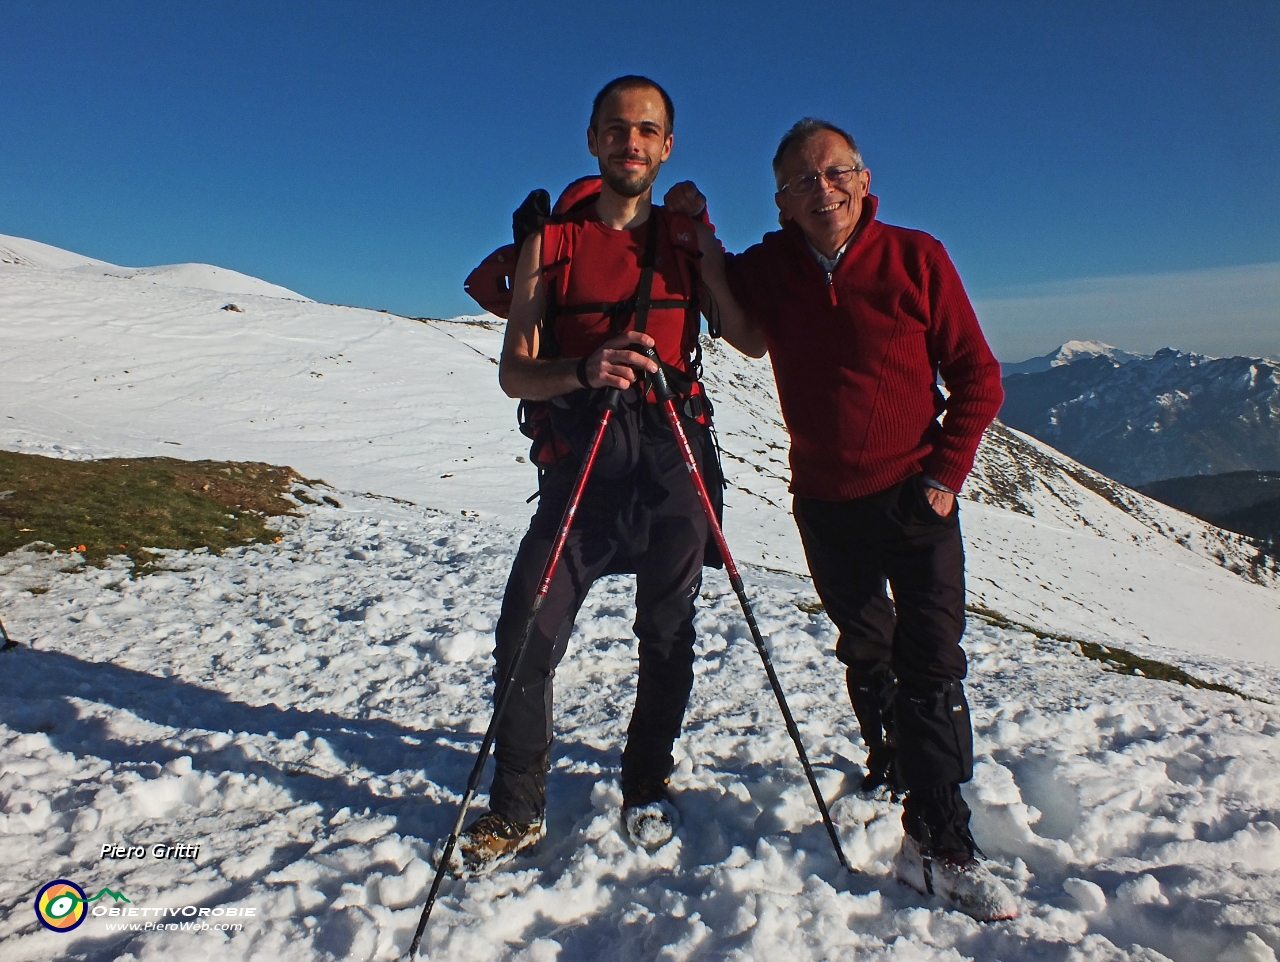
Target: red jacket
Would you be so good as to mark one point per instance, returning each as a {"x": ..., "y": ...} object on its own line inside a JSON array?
[
  {"x": 588, "y": 265},
  {"x": 857, "y": 355}
]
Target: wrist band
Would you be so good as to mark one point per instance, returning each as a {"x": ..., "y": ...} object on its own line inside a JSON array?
[{"x": 582, "y": 373}]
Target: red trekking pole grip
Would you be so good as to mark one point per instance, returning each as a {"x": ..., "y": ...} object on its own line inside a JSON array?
[{"x": 658, "y": 379}]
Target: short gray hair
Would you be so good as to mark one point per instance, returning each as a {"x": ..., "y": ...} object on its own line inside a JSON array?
[{"x": 800, "y": 132}]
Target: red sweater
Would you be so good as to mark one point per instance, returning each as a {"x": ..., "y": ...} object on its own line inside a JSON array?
[{"x": 856, "y": 357}]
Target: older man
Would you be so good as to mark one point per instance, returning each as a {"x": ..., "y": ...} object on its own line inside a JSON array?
[{"x": 860, "y": 319}]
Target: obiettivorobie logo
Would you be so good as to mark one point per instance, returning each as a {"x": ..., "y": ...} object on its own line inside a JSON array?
[{"x": 62, "y": 905}]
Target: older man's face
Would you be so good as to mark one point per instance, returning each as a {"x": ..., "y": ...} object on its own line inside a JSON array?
[{"x": 829, "y": 214}]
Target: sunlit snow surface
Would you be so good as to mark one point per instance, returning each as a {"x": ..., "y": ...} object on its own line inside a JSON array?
[{"x": 308, "y": 712}]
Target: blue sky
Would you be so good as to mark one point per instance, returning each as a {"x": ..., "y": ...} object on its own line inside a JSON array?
[{"x": 371, "y": 153}]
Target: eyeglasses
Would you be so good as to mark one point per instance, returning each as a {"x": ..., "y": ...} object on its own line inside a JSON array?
[{"x": 836, "y": 176}]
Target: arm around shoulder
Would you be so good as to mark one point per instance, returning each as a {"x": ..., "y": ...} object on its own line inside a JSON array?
[{"x": 736, "y": 326}]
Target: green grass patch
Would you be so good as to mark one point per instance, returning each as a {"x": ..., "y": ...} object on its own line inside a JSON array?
[
  {"x": 993, "y": 617},
  {"x": 126, "y": 506},
  {"x": 1112, "y": 659},
  {"x": 1127, "y": 663}
]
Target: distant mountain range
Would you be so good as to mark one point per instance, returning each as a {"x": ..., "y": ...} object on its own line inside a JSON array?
[{"x": 1140, "y": 419}]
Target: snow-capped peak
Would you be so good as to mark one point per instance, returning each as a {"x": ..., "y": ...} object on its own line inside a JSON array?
[
  {"x": 1068, "y": 353},
  {"x": 1074, "y": 350}
]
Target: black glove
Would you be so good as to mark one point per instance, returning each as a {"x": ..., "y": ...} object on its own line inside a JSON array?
[{"x": 530, "y": 216}]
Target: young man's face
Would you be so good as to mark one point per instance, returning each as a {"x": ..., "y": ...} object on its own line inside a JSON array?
[
  {"x": 631, "y": 139},
  {"x": 829, "y": 213}
]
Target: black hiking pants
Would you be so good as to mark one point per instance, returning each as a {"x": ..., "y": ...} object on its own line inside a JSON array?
[
  {"x": 904, "y": 662},
  {"x": 649, "y": 523}
]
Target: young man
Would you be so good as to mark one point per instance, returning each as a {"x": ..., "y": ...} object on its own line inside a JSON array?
[
  {"x": 572, "y": 332},
  {"x": 859, "y": 319}
]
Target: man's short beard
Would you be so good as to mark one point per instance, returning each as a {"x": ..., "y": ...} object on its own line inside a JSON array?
[{"x": 626, "y": 187}]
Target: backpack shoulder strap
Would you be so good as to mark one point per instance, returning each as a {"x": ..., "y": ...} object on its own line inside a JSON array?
[
  {"x": 559, "y": 233},
  {"x": 644, "y": 290}
]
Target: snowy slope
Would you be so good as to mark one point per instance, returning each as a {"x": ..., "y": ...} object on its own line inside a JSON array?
[
  {"x": 18, "y": 251},
  {"x": 374, "y": 402},
  {"x": 28, "y": 253},
  {"x": 308, "y": 712},
  {"x": 206, "y": 277}
]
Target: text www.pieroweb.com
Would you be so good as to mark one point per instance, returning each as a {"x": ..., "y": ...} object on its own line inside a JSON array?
[{"x": 174, "y": 927}]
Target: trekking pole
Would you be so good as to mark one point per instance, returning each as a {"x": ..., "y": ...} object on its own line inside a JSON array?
[
  {"x": 666, "y": 397},
  {"x": 4, "y": 636},
  {"x": 611, "y": 399}
]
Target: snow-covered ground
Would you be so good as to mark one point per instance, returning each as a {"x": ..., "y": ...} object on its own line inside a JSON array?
[
  {"x": 308, "y": 712},
  {"x": 20, "y": 252}
]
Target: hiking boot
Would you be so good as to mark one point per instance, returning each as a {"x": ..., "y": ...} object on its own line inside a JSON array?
[
  {"x": 492, "y": 840},
  {"x": 958, "y": 878},
  {"x": 648, "y": 814}
]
